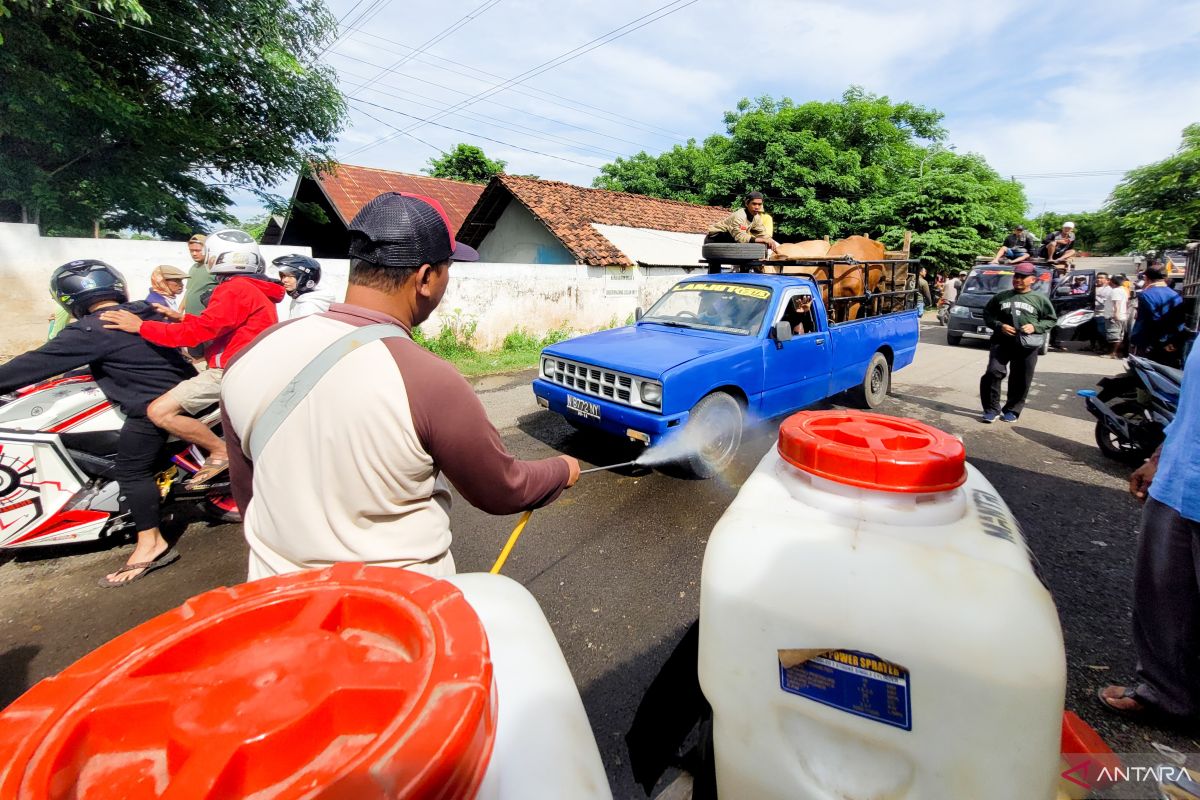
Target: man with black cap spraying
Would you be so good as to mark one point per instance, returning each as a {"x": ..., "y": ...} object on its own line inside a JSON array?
[
  {"x": 1020, "y": 320},
  {"x": 746, "y": 225},
  {"x": 343, "y": 431}
]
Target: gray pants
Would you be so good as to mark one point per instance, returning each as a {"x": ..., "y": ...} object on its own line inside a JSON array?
[{"x": 1166, "y": 611}]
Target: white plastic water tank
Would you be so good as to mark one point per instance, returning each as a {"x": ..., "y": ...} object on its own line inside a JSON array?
[
  {"x": 544, "y": 747},
  {"x": 871, "y": 625}
]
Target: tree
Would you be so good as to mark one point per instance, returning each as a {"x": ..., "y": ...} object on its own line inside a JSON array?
[
  {"x": 1158, "y": 205},
  {"x": 149, "y": 126},
  {"x": 1098, "y": 232},
  {"x": 863, "y": 164},
  {"x": 465, "y": 162}
]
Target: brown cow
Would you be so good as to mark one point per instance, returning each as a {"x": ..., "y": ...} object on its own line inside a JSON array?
[{"x": 847, "y": 278}]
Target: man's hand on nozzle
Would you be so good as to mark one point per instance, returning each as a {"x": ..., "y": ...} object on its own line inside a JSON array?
[
  {"x": 572, "y": 470},
  {"x": 121, "y": 320}
]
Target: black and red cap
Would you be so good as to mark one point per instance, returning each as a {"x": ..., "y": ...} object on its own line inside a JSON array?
[{"x": 403, "y": 230}]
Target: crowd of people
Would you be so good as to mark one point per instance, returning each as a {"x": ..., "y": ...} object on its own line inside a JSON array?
[{"x": 212, "y": 335}]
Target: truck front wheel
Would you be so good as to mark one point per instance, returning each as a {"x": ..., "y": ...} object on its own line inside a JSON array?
[
  {"x": 876, "y": 382},
  {"x": 713, "y": 435}
]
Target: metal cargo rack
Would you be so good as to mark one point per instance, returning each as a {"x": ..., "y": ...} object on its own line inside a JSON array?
[
  {"x": 1190, "y": 288},
  {"x": 872, "y": 303}
]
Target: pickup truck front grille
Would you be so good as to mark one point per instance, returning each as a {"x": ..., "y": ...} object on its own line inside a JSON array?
[{"x": 591, "y": 380}]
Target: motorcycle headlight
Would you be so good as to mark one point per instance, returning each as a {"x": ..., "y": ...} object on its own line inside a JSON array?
[
  {"x": 651, "y": 393},
  {"x": 960, "y": 311}
]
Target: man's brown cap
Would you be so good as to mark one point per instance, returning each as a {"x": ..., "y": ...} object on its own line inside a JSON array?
[{"x": 198, "y": 237}]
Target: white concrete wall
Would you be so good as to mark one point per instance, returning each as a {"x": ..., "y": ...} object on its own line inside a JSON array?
[
  {"x": 519, "y": 238},
  {"x": 498, "y": 298}
]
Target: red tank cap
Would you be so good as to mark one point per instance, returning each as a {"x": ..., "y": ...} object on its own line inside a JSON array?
[
  {"x": 873, "y": 451},
  {"x": 352, "y": 681}
]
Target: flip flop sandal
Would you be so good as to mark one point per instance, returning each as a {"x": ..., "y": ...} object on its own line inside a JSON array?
[
  {"x": 1128, "y": 693},
  {"x": 205, "y": 475},
  {"x": 165, "y": 558}
]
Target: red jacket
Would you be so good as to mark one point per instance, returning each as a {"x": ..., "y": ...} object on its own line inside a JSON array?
[{"x": 241, "y": 308}]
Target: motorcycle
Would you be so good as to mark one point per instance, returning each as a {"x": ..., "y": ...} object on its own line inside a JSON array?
[
  {"x": 58, "y": 446},
  {"x": 943, "y": 311},
  {"x": 1133, "y": 410}
]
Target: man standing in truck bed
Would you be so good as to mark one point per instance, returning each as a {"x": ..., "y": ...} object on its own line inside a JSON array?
[{"x": 744, "y": 226}]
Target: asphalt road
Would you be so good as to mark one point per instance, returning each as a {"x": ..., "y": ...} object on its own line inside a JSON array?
[{"x": 615, "y": 563}]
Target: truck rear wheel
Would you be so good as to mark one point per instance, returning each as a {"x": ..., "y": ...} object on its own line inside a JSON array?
[
  {"x": 713, "y": 435},
  {"x": 876, "y": 382}
]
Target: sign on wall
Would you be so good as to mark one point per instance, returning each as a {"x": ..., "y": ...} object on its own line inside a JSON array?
[{"x": 620, "y": 282}]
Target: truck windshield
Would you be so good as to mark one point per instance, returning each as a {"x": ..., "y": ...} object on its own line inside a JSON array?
[
  {"x": 725, "y": 307},
  {"x": 990, "y": 281}
]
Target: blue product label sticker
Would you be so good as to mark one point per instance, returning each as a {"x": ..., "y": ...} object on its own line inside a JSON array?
[{"x": 858, "y": 683}]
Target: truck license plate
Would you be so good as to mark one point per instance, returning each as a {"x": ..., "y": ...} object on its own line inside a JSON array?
[{"x": 582, "y": 407}]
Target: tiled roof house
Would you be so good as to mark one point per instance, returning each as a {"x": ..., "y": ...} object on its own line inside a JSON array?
[
  {"x": 524, "y": 220},
  {"x": 348, "y": 188}
]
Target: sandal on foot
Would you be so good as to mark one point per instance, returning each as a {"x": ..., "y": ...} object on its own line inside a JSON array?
[
  {"x": 166, "y": 557},
  {"x": 1142, "y": 712},
  {"x": 211, "y": 469}
]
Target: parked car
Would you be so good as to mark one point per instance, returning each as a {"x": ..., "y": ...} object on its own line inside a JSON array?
[
  {"x": 715, "y": 350},
  {"x": 983, "y": 282}
]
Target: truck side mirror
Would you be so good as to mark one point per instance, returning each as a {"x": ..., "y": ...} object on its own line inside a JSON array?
[
  {"x": 782, "y": 331},
  {"x": 638, "y": 313}
]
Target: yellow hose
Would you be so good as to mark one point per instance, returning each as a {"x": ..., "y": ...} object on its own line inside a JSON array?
[{"x": 512, "y": 541}]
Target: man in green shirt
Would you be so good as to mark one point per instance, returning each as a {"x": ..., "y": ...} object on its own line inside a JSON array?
[
  {"x": 200, "y": 280},
  {"x": 746, "y": 225},
  {"x": 1011, "y": 314}
]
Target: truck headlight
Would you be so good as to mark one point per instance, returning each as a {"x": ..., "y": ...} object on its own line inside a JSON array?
[
  {"x": 960, "y": 311},
  {"x": 548, "y": 367},
  {"x": 651, "y": 393}
]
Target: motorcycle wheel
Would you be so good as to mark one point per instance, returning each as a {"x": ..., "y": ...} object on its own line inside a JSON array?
[{"x": 1114, "y": 448}]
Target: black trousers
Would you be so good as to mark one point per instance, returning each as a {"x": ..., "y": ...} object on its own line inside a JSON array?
[
  {"x": 1008, "y": 357},
  {"x": 137, "y": 451},
  {"x": 1166, "y": 610}
]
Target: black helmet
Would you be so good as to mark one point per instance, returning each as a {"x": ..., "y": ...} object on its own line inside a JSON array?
[
  {"x": 78, "y": 285},
  {"x": 306, "y": 271}
]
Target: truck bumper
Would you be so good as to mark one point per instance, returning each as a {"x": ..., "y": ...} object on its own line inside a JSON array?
[{"x": 614, "y": 418}]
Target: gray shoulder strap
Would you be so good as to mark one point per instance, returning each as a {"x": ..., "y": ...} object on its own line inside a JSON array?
[{"x": 299, "y": 387}]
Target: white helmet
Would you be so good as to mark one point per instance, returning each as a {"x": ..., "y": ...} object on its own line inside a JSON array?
[{"x": 233, "y": 252}]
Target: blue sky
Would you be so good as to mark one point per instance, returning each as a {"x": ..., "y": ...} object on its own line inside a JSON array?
[{"x": 1035, "y": 87}]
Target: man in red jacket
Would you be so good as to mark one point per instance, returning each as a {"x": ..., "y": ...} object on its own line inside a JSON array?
[{"x": 242, "y": 306}]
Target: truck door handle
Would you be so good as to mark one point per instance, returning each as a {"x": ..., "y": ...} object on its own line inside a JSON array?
[{"x": 821, "y": 340}]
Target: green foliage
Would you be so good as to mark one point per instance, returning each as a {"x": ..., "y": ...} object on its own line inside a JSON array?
[
  {"x": 863, "y": 164},
  {"x": 121, "y": 11},
  {"x": 134, "y": 124},
  {"x": 455, "y": 342},
  {"x": 256, "y": 226},
  {"x": 1158, "y": 205},
  {"x": 465, "y": 162}
]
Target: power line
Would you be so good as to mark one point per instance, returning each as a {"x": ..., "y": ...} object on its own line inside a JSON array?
[
  {"x": 461, "y": 22},
  {"x": 467, "y": 133},
  {"x": 617, "y": 33},
  {"x": 1095, "y": 173},
  {"x": 409, "y": 135},
  {"x": 529, "y": 91},
  {"x": 510, "y": 126},
  {"x": 494, "y": 102}
]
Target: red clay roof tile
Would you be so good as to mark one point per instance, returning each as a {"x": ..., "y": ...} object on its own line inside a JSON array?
[
  {"x": 569, "y": 211},
  {"x": 349, "y": 188}
]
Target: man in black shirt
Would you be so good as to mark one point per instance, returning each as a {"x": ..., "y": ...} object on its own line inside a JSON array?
[
  {"x": 1018, "y": 246},
  {"x": 131, "y": 372}
]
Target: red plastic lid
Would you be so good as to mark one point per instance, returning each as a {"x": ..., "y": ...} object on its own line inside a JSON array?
[
  {"x": 353, "y": 681},
  {"x": 873, "y": 451}
]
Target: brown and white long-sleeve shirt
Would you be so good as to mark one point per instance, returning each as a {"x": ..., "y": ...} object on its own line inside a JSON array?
[{"x": 357, "y": 471}]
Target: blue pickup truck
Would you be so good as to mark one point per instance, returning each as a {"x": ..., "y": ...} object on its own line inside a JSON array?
[{"x": 716, "y": 349}]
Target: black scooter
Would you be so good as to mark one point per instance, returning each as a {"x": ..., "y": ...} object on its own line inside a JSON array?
[{"x": 1133, "y": 410}]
